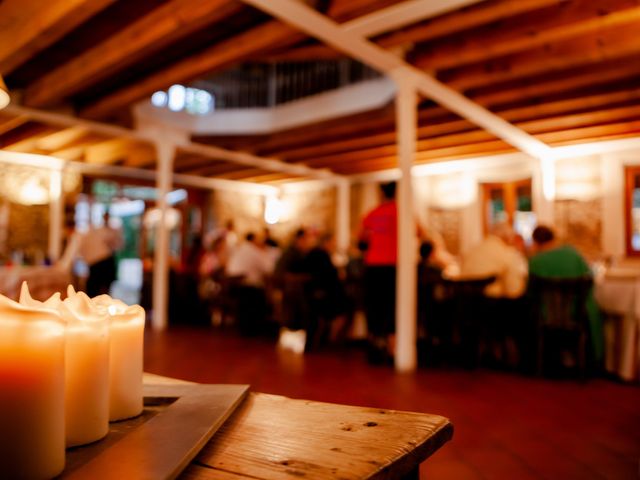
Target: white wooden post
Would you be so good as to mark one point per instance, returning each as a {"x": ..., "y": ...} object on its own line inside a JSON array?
[
  {"x": 343, "y": 215},
  {"x": 56, "y": 212},
  {"x": 166, "y": 152},
  {"x": 543, "y": 186},
  {"x": 406, "y": 283}
]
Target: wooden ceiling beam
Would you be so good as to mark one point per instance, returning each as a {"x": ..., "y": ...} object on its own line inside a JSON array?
[
  {"x": 110, "y": 151},
  {"x": 538, "y": 128},
  {"x": 319, "y": 26},
  {"x": 59, "y": 140},
  {"x": 580, "y": 51},
  {"x": 29, "y": 26},
  {"x": 12, "y": 122},
  {"x": 513, "y": 115},
  {"x": 458, "y": 21},
  {"x": 211, "y": 169},
  {"x": 467, "y": 18},
  {"x": 247, "y": 44},
  {"x": 161, "y": 27},
  {"x": 141, "y": 156},
  {"x": 24, "y": 138},
  {"x": 560, "y": 22},
  {"x": 271, "y": 177},
  {"x": 492, "y": 147},
  {"x": 241, "y": 174},
  {"x": 76, "y": 150},
  {"x": 559, "y": 82},
  {"x": 401, "y": 14}
]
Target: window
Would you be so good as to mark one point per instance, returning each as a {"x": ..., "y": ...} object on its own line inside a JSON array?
[
  {"x": 509, "y": 202},
  {"x": 178, "y": 98},
  {"x": 632, "y": 210}
]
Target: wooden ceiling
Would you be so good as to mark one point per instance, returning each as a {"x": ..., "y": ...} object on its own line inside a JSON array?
[{"x": 563, "y": 71}]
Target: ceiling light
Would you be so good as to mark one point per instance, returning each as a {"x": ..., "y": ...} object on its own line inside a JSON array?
[{"x": 4, "y": 94}]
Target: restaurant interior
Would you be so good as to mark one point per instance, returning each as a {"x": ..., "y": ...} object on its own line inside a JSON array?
[{"x": 239, "y": 156}]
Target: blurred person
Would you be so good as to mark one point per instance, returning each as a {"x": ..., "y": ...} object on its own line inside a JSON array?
[
  {"x": 380, "y": 231},
  {"x": 496, "y": 255},
  {"x": 440, "y": 255},
  {"x": 98, "y": 247},
  {"x": 213, "y": 259},
  {"x": 291, "y": 276},
  {"x": 434, "y": 328},
  {"x": 556, "y": 260},
  {"x": 230, "y": 235},
  {"x": 248, "y": 267},
  {"x": 269, "y": 241},
  {"x": 326, "y": 293},
  {"x": 250, "y": 261}
]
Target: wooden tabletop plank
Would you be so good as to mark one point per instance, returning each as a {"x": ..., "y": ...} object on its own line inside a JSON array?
[{"x": 272, "y": 437}]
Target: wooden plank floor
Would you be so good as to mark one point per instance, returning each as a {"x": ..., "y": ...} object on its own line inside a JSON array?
[{"x": 507, "y": 426}]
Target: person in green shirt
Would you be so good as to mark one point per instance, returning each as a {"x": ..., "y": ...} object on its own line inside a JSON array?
[{"x": 564, "y": 261}]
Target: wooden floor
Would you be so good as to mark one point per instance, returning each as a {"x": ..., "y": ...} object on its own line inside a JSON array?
[{"x": 507, "y": 426}]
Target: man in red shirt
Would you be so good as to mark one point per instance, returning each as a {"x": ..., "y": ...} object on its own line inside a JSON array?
[{"x": 379, "y": 231}]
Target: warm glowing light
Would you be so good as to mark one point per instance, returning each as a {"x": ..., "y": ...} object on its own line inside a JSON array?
[
  {"x": 4, "y": 94},
  {"x": 33, "y": 193},
  {"x": 273, "y": 210}
]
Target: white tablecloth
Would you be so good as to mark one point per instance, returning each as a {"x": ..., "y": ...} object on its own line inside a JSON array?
[{"x": 618, "y": 295}]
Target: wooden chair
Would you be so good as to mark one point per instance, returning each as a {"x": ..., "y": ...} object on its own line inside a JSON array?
[
  {"x": 559, "y": 306},
  {"x": 469, "y": 309}
]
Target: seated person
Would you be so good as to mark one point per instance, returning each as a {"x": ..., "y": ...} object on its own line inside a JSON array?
[
  {"x": 495, "y": 255},
  {"x": 247, "y": 269},
  {"x": 552, "y": 259}
]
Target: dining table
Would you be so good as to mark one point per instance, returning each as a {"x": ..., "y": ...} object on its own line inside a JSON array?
[
  {"x": 273, "y": 437},
  {"x": 617, "y": 292}
]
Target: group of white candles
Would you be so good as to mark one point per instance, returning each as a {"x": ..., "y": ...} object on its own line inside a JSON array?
[{"x": 67, "y": 368}]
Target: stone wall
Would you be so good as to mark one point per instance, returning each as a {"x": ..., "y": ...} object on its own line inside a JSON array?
[
  {"x": 447, "y": 222},
  {"x": 579, "y": 223},
  {"x": 28, "y": 229},
  {"x": 314, "y": 209}
]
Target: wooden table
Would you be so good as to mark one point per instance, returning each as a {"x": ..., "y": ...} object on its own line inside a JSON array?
[{"x": 274, "y": 437}]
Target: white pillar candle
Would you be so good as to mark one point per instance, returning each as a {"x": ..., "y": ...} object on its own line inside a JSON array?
[
  {"x": 31, "y": 391},
  {"x": 126, "y": 357},
  {"x": 87, "y": 371},
  {"x": 86, "y": 365}
]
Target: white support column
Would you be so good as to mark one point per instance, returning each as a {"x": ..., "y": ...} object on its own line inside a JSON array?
[
  {"x": 406, "y": 283},
  {"x": 613, "y": 226},
  {"x": 543, "y": 186},
  {"x": 166, "y": 152},
  {"x": 56, "y": 212},
  {"x": 343, "y": 219}
]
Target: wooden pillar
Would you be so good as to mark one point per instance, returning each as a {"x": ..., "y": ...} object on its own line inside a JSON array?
[
  {"x": 406, "y": 280},
  {"x": 343, "y": 214},
  {"x": 165, "y": 152},
  {"x": 56, "y": 214}
]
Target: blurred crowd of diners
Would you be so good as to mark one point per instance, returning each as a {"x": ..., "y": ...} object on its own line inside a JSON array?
[{"x": 479, "y": 308}]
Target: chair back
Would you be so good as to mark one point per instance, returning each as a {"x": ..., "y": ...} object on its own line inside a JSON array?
[
  {"x": 467, "y": 288},
  {"x": 560, "y": 302}
]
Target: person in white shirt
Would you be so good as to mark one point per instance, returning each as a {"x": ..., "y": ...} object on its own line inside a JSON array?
[
  {"x": 250, "y": 261},
  {"x": 97, "y": 248},
  {"x": 248, "y": 267},
  {"x": 495, "y": 255}
]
